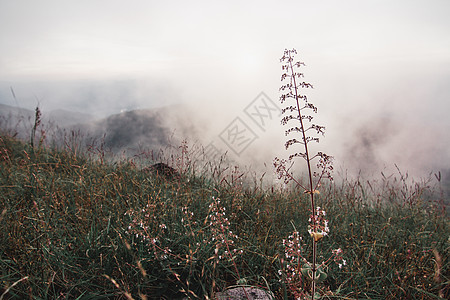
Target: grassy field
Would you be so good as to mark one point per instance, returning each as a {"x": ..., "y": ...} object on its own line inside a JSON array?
[{"x": 74, "y": 226}]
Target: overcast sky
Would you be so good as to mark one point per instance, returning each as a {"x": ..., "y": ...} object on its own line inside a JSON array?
[{"x": 373, "y": 63}]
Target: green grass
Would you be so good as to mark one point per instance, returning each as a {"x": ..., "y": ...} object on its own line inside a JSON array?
[{"x": 77, "y": 227}]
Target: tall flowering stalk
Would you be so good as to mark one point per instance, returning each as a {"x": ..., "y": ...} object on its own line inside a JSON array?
[{"x": 297, "y": 114}]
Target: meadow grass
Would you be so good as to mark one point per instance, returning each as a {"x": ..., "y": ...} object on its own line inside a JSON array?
[{"x": 74, "y": 226}]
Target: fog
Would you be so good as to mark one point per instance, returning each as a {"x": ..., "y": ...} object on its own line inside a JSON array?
[{"x": 380, "y": 71}]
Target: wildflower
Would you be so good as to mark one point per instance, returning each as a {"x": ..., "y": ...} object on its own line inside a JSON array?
[{"x": 337, "y": 251}]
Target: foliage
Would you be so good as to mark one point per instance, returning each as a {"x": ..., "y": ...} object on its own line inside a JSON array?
[{"x": 75, "y": 226}]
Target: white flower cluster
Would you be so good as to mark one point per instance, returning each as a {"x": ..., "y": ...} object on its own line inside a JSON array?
[
  {"x": 293, "y": 254},
  {"x": 220, "y": 228},
  {"x": 318, "y": 223}
]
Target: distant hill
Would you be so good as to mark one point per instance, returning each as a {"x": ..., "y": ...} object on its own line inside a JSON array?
[
  {"x": 59, "y": 117},
  {"x": 66, "y": 118},
  {"x": 130, "y": 131},
  {"x": 145, "y": 128},
  {"x": 14, "y": 114}
]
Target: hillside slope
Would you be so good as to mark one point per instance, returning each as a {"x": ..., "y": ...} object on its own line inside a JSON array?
[{"x": 75, "y": 226}]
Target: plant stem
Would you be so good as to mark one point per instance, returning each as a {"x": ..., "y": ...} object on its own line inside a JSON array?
[
  {"x": 232, "y": 259},
  {"x": 311, "y": 187}
]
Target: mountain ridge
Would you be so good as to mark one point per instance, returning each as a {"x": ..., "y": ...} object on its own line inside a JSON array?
[{"x": 125, "y": 131}]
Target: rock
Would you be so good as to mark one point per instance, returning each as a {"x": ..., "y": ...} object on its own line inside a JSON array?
[
  {"x": 163, "y": 170},
  {"x": 237, "y": 293}
]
